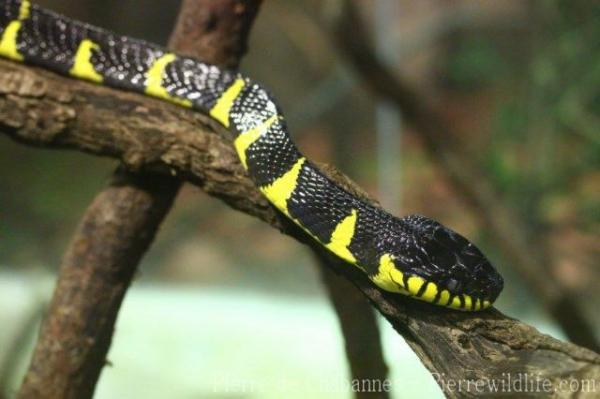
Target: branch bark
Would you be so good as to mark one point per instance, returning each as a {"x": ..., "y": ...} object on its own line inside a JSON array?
[
  {"x": 42, "y": 109},
  {"x": 96, "y": 271},
  {"x": 148, "y": 134},
  {"x": 524, "y": 252}
]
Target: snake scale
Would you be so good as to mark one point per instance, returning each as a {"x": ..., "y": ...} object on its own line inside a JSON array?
[{"x": 412, "y": 255}]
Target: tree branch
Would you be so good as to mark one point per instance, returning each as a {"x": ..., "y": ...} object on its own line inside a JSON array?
[
  {"x": 152, "y": 135},
  {"x": 96, "y": 271},
  {"x": 358, "y": 323}
]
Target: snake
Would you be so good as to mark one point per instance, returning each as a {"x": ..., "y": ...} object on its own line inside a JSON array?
[{"x": 412, "y": 255}]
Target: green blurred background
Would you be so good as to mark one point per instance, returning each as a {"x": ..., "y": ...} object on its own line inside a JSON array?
[{"x": 226, "y": 307}]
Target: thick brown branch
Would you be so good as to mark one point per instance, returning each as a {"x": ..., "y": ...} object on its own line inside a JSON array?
[
  {"x": 524, "y": 253},
  {"x": 42, "y": 109},
  {"x": 94, "y": 276},
  {"x": 216, "y": 31}
]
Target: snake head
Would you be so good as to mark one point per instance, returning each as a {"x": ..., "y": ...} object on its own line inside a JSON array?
[{"x": 440, "y": 266}]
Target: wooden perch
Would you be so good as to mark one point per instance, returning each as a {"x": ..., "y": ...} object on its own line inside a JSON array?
[{"x": 45, "y": 110}]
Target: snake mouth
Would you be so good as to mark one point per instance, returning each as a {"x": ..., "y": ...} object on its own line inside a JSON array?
[
  {"x": 470, "y": 294},
  {"x": 479, "y": 281},
  {"x": 453, "y": 293},
  {"x": 472, "y": 279},
  {"x": 439, "y": 266},
  {"x": 449, "y": 294}
]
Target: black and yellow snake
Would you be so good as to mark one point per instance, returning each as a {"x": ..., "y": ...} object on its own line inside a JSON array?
[{"x": 413, "y": 255}]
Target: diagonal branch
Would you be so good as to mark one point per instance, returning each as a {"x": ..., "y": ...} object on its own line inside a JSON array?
[{"x": 42, "y": 109}]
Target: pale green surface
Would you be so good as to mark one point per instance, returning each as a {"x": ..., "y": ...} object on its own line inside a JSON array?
[{"x": 206, "y": 342}]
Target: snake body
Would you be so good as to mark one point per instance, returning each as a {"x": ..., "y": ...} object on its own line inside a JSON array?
[{"x": 413, "y": 255}]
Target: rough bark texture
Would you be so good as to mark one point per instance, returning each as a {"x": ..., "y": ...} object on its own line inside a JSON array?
[
  {"x": 42, "y": 109},
  {"x": 490, "y": 347},
  {"x": 146, "y": 133},
  {"x": 523, "y": 251},
  {"x": 216, "y": 31},
  {"x": 94, "y": 276},
  {"x": 116, "y": 231}
]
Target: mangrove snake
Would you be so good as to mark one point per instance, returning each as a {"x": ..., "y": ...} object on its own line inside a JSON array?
[{"x": 413, "y": 255}]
